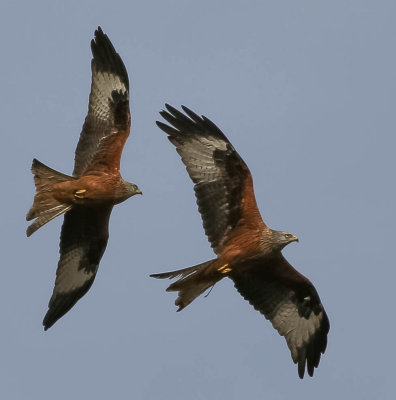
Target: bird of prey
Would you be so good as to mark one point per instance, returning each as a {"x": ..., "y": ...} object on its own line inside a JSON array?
[
  {"x": 248, "y": 251},
  {"x": 87, "y": 197}
]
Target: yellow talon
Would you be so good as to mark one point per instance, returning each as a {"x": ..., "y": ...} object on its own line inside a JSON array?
[
  {"x": 224, "y": 269},
  {"x": 79, "y": 194}
]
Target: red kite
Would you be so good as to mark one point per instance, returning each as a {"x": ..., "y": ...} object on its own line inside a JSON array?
[
  {"x": 248, "y": 251},
  {"x": 88, "y": 196}
]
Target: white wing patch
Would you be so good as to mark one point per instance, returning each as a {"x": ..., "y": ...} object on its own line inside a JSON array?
[
  {"x": 197, "y": 153},
  {"x": 70, "y": 276},
  {"x": 103, "y": 85}
]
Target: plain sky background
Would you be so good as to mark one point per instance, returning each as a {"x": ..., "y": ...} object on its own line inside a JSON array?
[{"x": 306, "y": 92}]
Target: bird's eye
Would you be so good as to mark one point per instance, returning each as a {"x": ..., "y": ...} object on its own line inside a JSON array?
[{"x": 288, "y": 235}]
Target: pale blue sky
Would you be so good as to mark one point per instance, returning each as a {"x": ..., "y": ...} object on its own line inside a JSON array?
[{"x": 306, "y": 92}]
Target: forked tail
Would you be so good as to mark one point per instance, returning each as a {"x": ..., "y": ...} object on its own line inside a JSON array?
[
  {"x": 193, "y": 282},
  {"x": 45, "y": 207}
]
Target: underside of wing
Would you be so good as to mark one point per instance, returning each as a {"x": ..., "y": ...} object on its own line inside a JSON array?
[
  {"x": 83, "y": 241},
  {"x": 223, "y": 183},
  {"x": 291, "y": 303},
  {"x": 107, "y": 124}
]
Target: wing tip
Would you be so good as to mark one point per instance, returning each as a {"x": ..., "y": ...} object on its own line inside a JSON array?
[
  {"x": 310, "y": 355},
  {"x": 167, "y": 129},
  {"x": 186, "y": 123},
  {"x": 106, "y": 58},
  {"x": 48, "y": 320}
]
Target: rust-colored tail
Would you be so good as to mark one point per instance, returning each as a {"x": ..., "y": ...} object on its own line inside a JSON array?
[
  {"x": 193, "y": 282},
  {"x": 45, "y": 207}
]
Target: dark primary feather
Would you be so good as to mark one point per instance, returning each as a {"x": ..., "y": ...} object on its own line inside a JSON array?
[
  {"x": 108, "y": 101},
  {"x": 291, "y": 303},
  {"x": 83, "y": 241},
  {"x": 217, "y": 170}
]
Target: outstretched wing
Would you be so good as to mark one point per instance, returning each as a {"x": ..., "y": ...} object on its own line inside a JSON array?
[
  {"x": 107, "y": 124},
  {"x": 291, "y": 303},
  {"x": 223, "y": 183},
  {"x": 83, "y": 241}
]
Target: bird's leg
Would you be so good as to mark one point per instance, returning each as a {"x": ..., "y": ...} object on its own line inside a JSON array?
[
  {"x": 224, "y": 269},
  {"x": 79, "y": 194}
]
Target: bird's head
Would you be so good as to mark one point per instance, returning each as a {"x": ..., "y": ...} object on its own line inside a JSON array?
[
  {"x": 128, "y": 190},
  {"x": 133, "y": 189},
  {"x": 282, "y": 239}
]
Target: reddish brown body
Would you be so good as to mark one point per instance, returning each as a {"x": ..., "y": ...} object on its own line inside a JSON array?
[
  {"x": 90, "y": 189},
  {"x": 248, "y": 251},
  {"x": 87, "y": 197}
]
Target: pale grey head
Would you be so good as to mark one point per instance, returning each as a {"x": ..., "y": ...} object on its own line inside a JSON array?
[
  {"x": 282, "y": 239},
  {"x": 127, "y": 190},
  {"x": 131, "y": 189}
]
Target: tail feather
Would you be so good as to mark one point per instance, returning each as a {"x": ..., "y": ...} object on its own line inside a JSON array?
[
  {"x": 193, "y": 282},
  {"x": 182, "y": 273},
  {"x": 45, "y": 207}
]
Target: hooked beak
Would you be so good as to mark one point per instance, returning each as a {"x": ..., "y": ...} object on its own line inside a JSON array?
[
  {"x": 138, "y": 191},
  {"x": 293, "y": 239}
]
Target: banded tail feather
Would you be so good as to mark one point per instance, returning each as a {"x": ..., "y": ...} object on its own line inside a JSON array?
[{"x": 45, "y": 207}]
